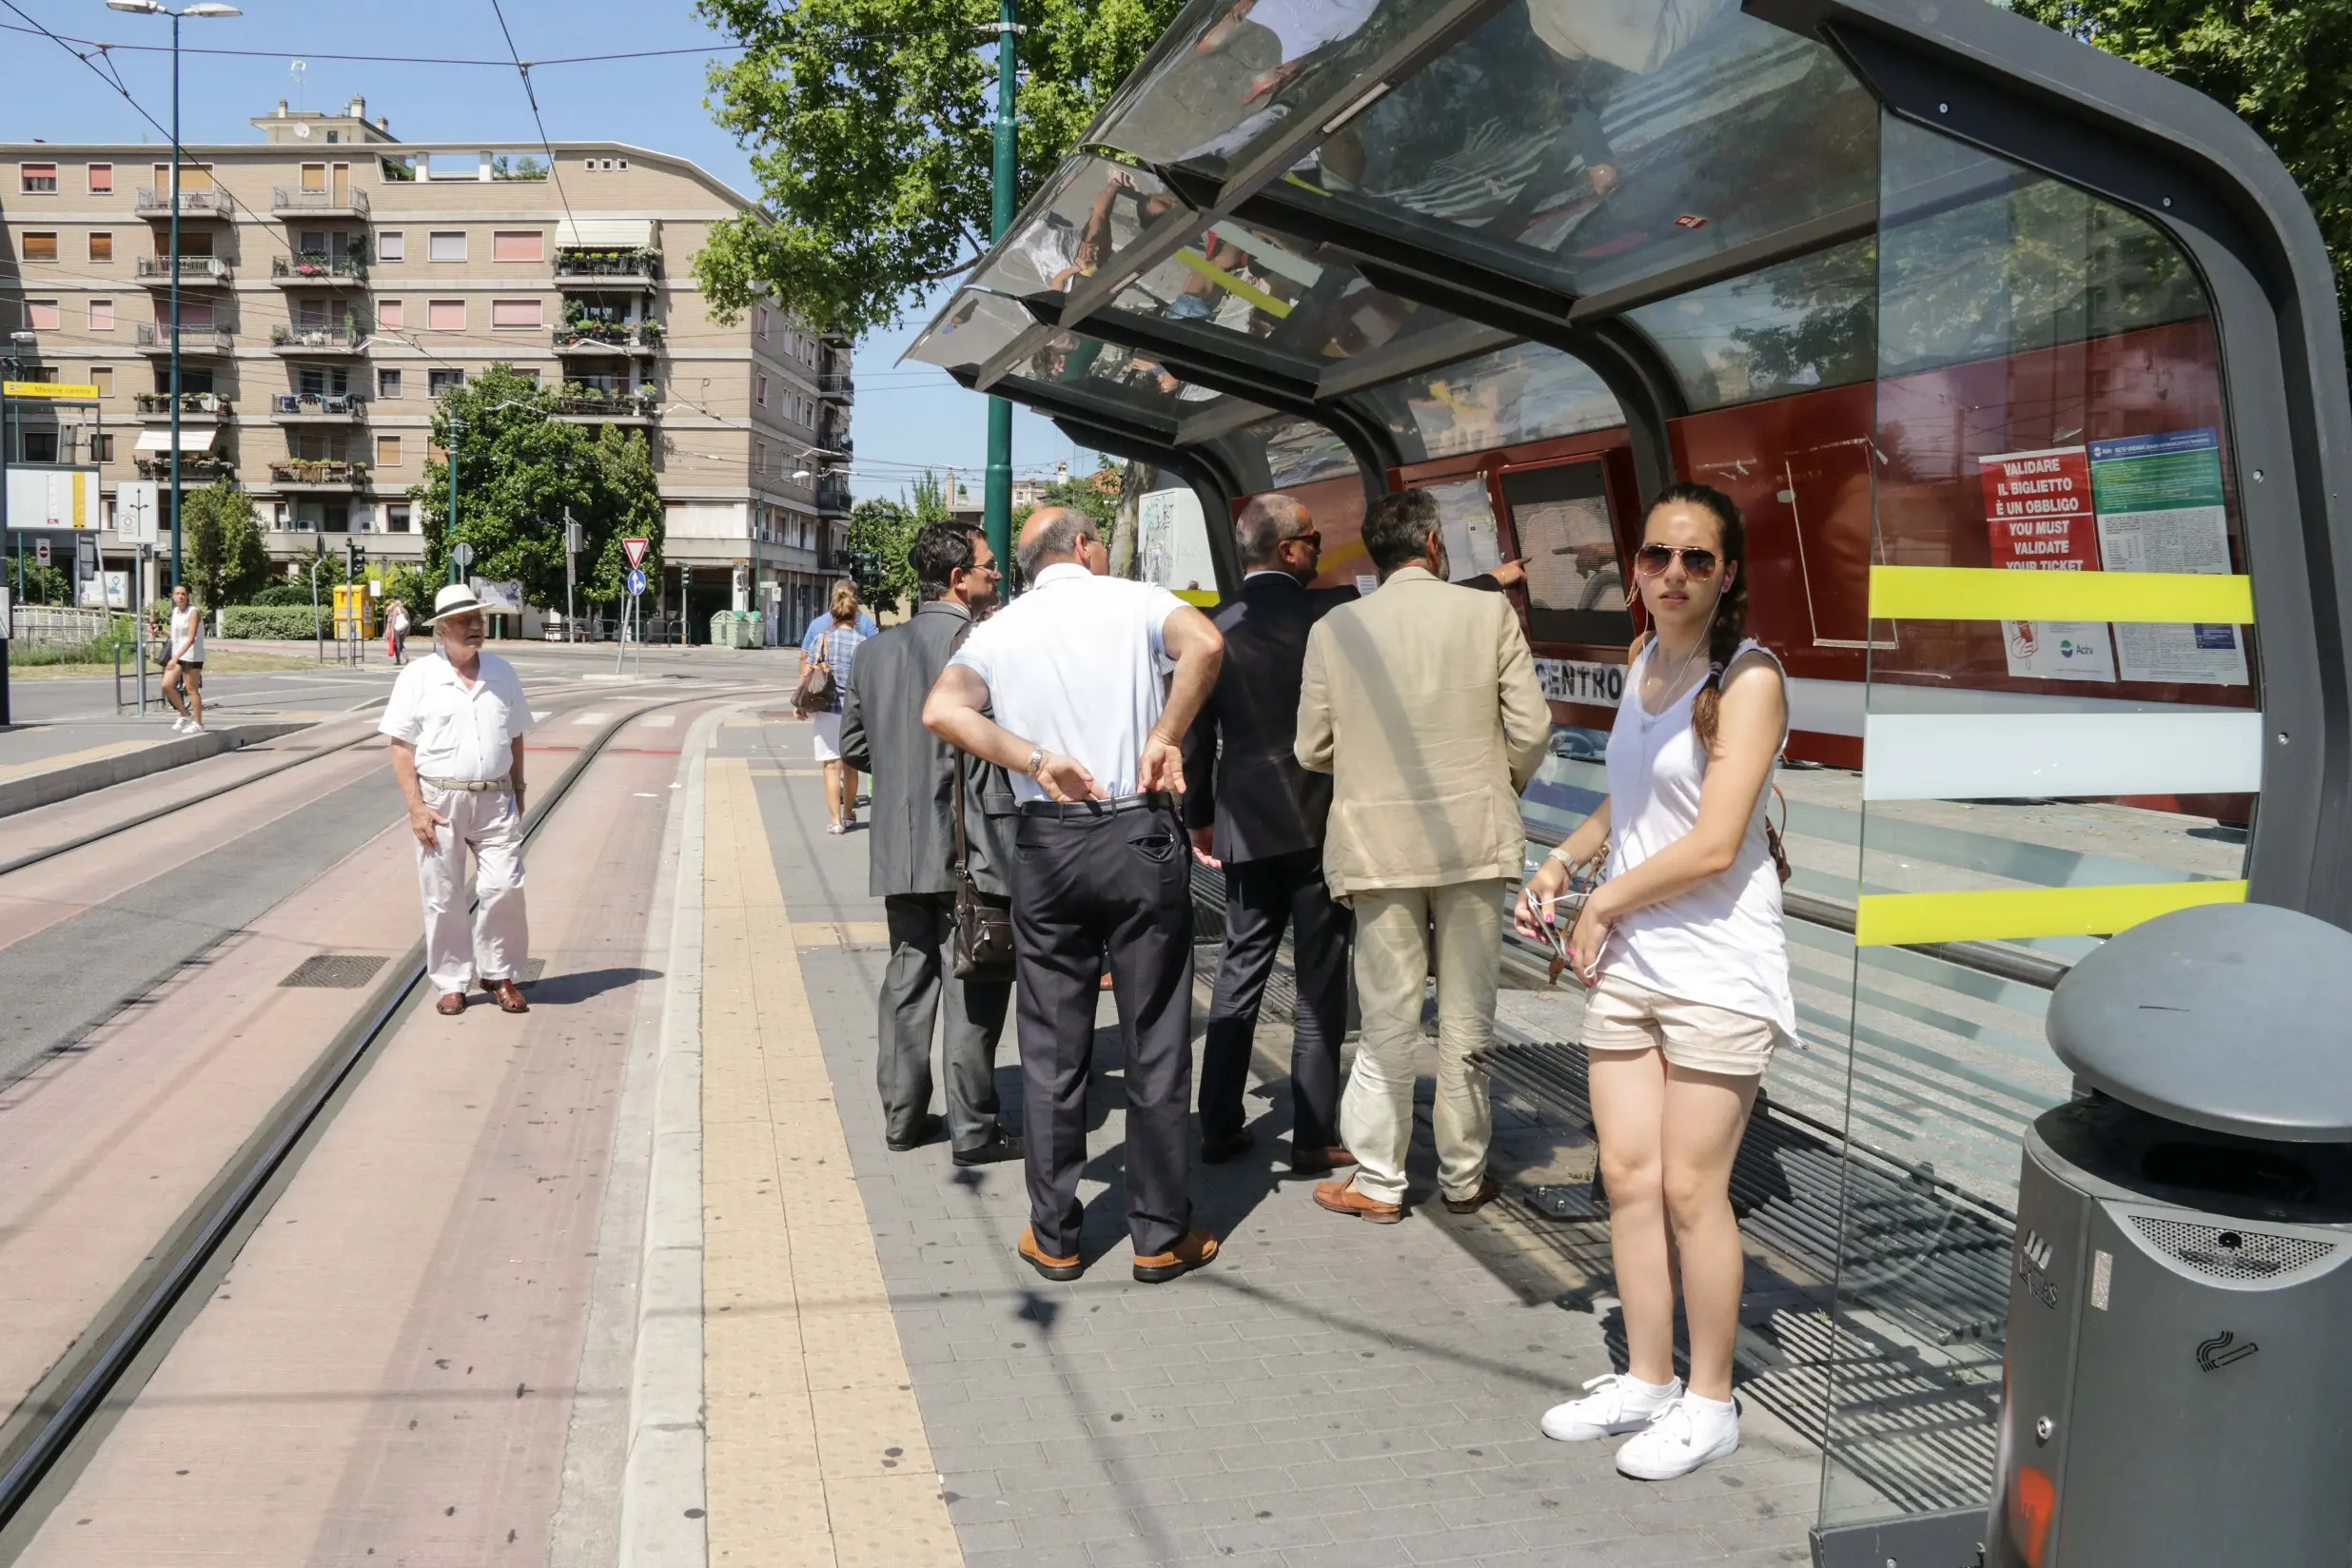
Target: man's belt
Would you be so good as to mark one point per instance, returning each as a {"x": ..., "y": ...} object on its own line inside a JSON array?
[
  {"x": 470, "y": 786},
  {"x": 1158, "y": 800}
]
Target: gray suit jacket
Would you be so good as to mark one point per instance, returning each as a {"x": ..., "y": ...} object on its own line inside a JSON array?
[{"x": 914, "y": 845}]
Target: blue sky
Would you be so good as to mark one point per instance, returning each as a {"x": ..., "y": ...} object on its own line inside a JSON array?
[{"x": 906, "y": 418}]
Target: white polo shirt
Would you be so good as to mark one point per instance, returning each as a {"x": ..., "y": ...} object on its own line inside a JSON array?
[
  {"x": 460, "y": 731},
  {"x": 1078, "y": 665}
]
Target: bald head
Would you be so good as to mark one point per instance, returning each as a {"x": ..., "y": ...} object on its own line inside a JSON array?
[
  {"x": 1053, "y": 535},
  {"x": 1259, "y": 532}
]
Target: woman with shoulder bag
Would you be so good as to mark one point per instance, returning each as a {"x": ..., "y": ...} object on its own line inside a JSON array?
[
  {"x": 826, "y": 652},
  {"x": 1683, "y": 949}
]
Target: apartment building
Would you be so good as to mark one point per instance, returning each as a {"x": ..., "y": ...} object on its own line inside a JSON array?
[{"x": 334, "y": 280}]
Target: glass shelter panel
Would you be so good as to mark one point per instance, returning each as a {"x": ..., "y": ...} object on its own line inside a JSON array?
[
  {"x": 2062, "y": 738},
  {"x": 1522, "y": 393},
  {"x": 971, "y": 331},
  {"x": 1092, "y": 214},
  {"x": 1591, "y": 144}
]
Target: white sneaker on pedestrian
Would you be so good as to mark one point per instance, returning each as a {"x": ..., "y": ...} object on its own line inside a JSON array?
[
  {"x": 179, "y": 725},
  {"x": 1612, "y": 1405},
  {"x": 1688, "y": 1433},
  {"x": 835, "y": 827},
  {"x": 194, "y": 728}
]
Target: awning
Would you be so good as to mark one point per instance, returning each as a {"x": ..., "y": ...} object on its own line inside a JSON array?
[
  {"x": 605, "y": 231},
  {"x": 192, "y": 438}
]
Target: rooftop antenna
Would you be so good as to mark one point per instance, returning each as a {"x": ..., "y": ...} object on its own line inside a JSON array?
[{"x": 297, "y": 69}]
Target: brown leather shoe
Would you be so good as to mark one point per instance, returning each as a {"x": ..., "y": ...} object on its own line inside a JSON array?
[
  {"x": 1045, "y": 1263},
  {"x": 1314, "y": 1160},
  {"x": 1343, "y": 1198},
  {"x": 507, "y": 995},
  {"x": 451, "y": 1004},
  {"x": 1489, "y": 1189},
  {"x": 1193, "y": 1249}
]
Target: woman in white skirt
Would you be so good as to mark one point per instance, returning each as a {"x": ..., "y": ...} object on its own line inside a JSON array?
[
  {"x": 832, "y": 640},
  {"x": 1683, "y": 949}
]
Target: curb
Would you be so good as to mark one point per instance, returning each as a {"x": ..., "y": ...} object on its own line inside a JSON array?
[{"x": 47, "y": 789}]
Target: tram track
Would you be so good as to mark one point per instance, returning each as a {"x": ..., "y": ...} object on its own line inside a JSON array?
[{"x": 139, "y": 1323}]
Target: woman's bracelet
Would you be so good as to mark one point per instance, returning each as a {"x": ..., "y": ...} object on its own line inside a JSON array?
[{"x": 1559, "y": 853}]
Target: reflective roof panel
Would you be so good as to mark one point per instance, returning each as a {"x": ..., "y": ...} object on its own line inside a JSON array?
[
  {"x": 1793, "y": 327},
  {"x": 973, "y": 328},
  {"x": 1090, "y": 214},
  {"x": 1238, "y": 73},
  {"x": 1130, "y": 376},
  {"x": 1591, "y": 144},
  {"x": 1523, "y": 393}
]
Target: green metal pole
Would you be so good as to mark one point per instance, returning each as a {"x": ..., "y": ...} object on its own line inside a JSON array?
[
  {"x": 998, "y": 516},
  {"x": 449, "y": 534}
]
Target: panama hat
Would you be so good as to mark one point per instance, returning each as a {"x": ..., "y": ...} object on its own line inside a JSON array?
[{"x": 456, "y": 600}]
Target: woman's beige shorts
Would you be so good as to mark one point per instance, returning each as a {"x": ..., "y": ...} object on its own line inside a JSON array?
[{"x": 1620, "y": 1016}]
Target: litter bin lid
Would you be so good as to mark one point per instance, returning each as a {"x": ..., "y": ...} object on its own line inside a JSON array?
[{"x": 2230, "y": 1017}]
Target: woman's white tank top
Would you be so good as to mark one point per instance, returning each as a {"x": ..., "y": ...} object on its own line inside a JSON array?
[{"x": 1722, "y": 942}]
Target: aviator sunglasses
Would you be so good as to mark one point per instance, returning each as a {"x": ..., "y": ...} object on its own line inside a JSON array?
[{"x": 1651, "y": 559}]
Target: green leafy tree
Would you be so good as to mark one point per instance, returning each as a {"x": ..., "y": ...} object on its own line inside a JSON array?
[
  {"x": 519, "y": 468},
  {"x": 871, "y": 127},
  {"x": 2282, "y": 64},
  {"x": 227, "y": 562}
]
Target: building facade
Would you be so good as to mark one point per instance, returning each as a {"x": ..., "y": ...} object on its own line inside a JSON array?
[{"x": 334, "y": 280}]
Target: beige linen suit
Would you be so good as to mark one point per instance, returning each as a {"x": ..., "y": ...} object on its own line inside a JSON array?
[{"x": 1421, "y": 701}]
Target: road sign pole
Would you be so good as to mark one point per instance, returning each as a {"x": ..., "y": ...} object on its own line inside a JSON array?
[{"x": 997, "y": 518}]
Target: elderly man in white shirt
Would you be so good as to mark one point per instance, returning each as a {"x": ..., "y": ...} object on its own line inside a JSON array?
[
  {"x": 1092, "y": 682},
  {"x": 456, "y": 720}
]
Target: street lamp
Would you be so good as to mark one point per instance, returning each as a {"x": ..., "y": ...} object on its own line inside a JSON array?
[{"x": 156, "y": 7}]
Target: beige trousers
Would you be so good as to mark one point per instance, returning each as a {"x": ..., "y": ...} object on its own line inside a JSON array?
[
  {"x": 498, "y": 942},
  {"x": 1393, "y": 929}
]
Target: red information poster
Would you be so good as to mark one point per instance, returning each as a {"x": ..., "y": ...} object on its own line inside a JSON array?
[{"x": 2039, "y": 518}]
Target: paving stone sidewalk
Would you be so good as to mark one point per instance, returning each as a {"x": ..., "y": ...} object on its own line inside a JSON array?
[{"x": 1327, "y": 1392}]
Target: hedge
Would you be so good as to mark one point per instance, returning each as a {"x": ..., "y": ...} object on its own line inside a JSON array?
[{"x": 282, "y": 622}]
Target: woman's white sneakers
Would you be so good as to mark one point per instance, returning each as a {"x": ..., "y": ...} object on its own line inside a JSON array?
[{"x": 1674, "y": 1430}]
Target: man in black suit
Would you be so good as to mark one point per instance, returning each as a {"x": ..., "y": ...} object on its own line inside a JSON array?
[{"x": 1252, "y": 807}]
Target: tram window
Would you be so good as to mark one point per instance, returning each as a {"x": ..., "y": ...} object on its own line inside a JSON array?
[{"x": 1576, "y": 579}]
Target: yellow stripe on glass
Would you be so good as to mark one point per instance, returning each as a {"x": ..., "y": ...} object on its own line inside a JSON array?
[
  {"x": 1969, "y": 593},
  {"x": 1224, "y": 280},
  {"x": 1903, "y": 919}
]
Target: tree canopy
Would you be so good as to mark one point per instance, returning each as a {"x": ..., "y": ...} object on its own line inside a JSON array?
[
  {"x": 518, "y": 469},
  {"x": 871, "y": 127},
  {"x": 228, "y": 560},
  {"x": 2285, "y": 66}
]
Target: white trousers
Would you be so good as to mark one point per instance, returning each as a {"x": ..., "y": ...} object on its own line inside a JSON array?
[
  {"x": 1393, "y": 931},
  {"x": 499, "y": 942}
]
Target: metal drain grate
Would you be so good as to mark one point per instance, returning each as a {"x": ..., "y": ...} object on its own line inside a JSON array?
[
  {"x": 532, "y": 971},
  {"x": 336, "y": 970}
]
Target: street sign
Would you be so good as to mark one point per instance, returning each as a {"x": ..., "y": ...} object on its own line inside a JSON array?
[
  {"x": 51, "y": 389},
  {"x": 462, "y": 554},
  {"x": 138, "y": 511},
  {"x": 634, "y": 549},
  {"x": 571, "y": 532},
  {"x": 637, "y": 580},
  {"x": 41, "y": 550}
]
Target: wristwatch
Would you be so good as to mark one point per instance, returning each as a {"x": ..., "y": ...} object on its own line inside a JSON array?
[{"x": 1036, "y": 761}]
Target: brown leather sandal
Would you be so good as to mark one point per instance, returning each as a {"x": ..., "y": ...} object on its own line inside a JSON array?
[
  {"x": 507, "y": 997},
  {"x": 451, "y": 1004}
]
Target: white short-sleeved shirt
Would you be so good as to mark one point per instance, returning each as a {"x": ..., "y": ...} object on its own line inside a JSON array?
[
  {"x": 187, "y": 631},
  {"x": 460, "y": 731},
  {"x": 1078, "y": 665}
]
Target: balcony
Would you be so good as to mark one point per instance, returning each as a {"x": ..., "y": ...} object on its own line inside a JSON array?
[
  {"x": 833, "y": 498},
  {"x": 840, "y": 389},
  {"x": 318, "y": 342},
  {"x": 155, "y": 201},
  {"x": 206, "y": 340},
  {"x": 578, "y": 407},
  {"x": 304, "y": 475},
  {"x": 194, "y": 271},
  {"x": 634, "y": 338},
  {"x": 318, "y": 407},
  {"x": 591, "y": 267},
  {"x": 196, "y": 468},
  {"x": 313, "y": 269},
  {"x": 193, "y": 406},
  {"x": 318, "y": 204}
]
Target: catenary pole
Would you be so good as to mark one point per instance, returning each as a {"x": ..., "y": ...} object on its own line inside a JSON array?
[
  {"x": 997, "y": 520},
  {"x": 175, "y": 298}
]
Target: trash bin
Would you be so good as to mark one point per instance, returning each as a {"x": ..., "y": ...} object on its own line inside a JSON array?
[
  {"x": 2180, "y": 1361},
  {"x": 724, "y": 630}
]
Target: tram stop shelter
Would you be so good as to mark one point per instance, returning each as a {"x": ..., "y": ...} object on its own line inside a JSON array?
[{"x": 2025, "y": 367}]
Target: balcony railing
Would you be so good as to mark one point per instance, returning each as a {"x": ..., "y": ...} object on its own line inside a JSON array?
[
  {"x": 632, "y": 262},
  {"x": 192, "y": 269},
  {"x": 282, "y": 200},
  {"x": 158, "y": 405},
  {"x": 345, "y": 339},
  {"x": 841, "y": 389},
  {"x": 594, "y": 336},
  {"x": 324, "y": 472},
  {"x": 580, "y": 403},
  {"x": 334, "y": 406},
  {"x": 156, "y": 200},
  {"x": 312, "y": 268},
  {"x": 201, "y": 465},
  {"x": 832, "y": 496},
  {"x": 193, "y": 339}
]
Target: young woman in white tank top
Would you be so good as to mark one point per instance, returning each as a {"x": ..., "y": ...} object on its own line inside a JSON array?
[{"x": 1683, "y": 949}]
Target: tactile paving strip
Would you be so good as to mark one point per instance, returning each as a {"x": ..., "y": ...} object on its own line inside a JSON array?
[{"x": 336, "y": 970}]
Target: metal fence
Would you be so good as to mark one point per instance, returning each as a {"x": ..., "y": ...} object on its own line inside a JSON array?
[{"x": 56, "y": 626}]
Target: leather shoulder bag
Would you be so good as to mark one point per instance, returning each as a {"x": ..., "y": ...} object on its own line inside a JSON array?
[{"x": 982, "y": 945}]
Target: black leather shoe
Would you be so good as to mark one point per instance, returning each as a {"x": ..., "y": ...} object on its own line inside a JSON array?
[
  {"x": 1216, "y": 1151},
  {"x": 1001, "y": 1146},
  {"x": 925, "y": 1131}
]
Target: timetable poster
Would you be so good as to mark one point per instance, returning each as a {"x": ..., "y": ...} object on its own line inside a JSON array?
[
  {"x": 2159, "y": 505},
  {"x": 2038, "y": 517}
]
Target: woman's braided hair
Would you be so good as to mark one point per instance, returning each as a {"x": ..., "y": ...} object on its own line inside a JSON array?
[{"x": 1729, "y": 627}]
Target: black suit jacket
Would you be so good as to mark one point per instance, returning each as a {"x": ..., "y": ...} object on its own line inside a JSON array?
[{"x": 912, "y": 848}]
